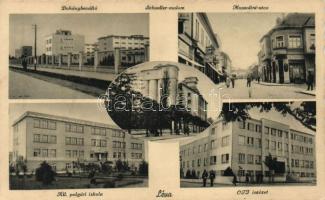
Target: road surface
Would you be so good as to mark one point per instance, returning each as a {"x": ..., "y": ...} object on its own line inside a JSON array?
[
  {"x": 258, "y": 91},
  {"x": 23, "y": 86}
]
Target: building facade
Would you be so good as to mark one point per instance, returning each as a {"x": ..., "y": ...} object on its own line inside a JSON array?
[
  {"x": 61, "y": 141},
  {"x": 287, "y": 52},
  {"x": 63, "y": 42},
  {"x": 198, "y": 45},
  {"x": 244, "y": 145},
  {"x": 24, "y": 51},
  {"x": 111, "y": 42}
]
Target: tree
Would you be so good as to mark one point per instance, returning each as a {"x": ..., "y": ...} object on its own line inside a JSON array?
[
  {"x": 305, "y": 114},
  {"x": 45, "y": 173},
  {"x": 143, "y": 168}
]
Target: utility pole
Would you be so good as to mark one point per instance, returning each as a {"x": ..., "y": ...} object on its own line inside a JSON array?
[{"x": 35, "y": 45}]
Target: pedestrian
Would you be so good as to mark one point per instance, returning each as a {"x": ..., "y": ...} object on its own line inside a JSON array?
[
  {"x": 247, "y": 178},
  {"x": 204, "y": 177},
  {"x": 258, "y": 78},
  {"x": 24, "y": 63},
  {"x": 227, "y": 81},
  {"x": 234, "y": 180},
  {"x": 310, "y": 81},
  {"x": 249, "y": 80},
  {"x": 233, "y": 80},
  {"x": 212, "y": 176}
]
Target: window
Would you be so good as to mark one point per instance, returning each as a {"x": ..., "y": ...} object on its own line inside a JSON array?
[
  {"x": 294, "y": 41},
  {"x": 241, "y": 140},
  {"x": 37, "y": 152},
  {"x": 213, "y": 144},
  {"x": 37, "y": 123},
  {"x": 81, "y": 154},
  {"x": 273, "y": 145},
  {"x": 225, "y": 158},
  {"x": 279, "y": 133},
  {"x": 68, "y": 153},
  {"x": 273, "y": 132},
  {"x": 225, "y": 141},
  {"x": 267, "y": 144},
  {"x": 241, "y": 158},
  {"x": 93, "y": 142},
  {"x": 250, "y": 141},
  {"x": 75, "y": 153},
  {"x": 199, "y": 162},
  {"x": 37, "y": 137},
  {"x": 258, "y": 128},
  {"x": 103, "y": 143},
  {"x": 44, "y": 138},
  {"x": 200, "y": 149},
  {"x": 279, "y": 146},
  {"x": 205, "y": 147},
  {"x": 312, "y": 41},
  {"x": 44, "y": 153},
  {"x": 266, "y": 130},
  {"x": 250, "y": 126},
  {"x": 279, "y": 41},
  {"x": 250, "y": 159},
  {"x": 213, "y": 160},
  {"x": 286, "y": 147},
  {"x": 258, "y": 159}
]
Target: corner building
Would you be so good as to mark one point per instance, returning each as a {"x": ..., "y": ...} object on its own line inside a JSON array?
[
  {"x": 244, "y": 145},
  {"x": 61, "y": 141}
]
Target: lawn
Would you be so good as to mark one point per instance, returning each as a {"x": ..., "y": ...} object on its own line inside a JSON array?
[{"x": 29, "y": 183}]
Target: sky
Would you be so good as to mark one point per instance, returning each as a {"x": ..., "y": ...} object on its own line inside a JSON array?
[
  {"x": 91, "y": 26},
  {"x": 240, "y": 33}
]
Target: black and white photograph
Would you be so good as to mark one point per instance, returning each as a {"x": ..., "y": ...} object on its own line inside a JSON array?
[
  {"x": 253, "y": 144},
  {"x": 162, "y": 100},
  {"x": 252, "y": 55},
  {"x": 73, "y": 56},
  {"x": 72, "y": 146}
]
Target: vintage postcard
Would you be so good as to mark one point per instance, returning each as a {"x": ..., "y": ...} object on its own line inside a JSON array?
[{"x": 162, "y": 100}]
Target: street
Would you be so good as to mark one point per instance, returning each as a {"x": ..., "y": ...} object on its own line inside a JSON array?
[
  {"x": 28, "y": 87},
  {"x": 185, "y": 184},
  {"x": 260, "y": 91}
]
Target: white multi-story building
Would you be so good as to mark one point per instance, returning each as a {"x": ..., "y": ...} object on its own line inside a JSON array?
[
  {"x": 61, "y": 141},
  {"x": 244, "y": 145},
  {"x": 63, "y": 42},
  {"x": 110, "y": 42}
]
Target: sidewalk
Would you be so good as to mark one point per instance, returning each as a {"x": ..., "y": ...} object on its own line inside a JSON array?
[
  {"x": 101, "y": 74},
  {"x": 301, "y": 88}
]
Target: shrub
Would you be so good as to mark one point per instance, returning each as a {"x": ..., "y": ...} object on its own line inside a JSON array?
[{"x": 45, "y": 173}]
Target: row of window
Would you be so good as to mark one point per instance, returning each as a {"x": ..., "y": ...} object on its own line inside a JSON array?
[
  {"x": 74, "y": 141},
  {"x": 249, "y": 159},
  {"x": 41, "y": 138},
  {"x": 98, "y": 131},
  {"x": 249, "y": 141},
  {"x": 98, "y": 143},
  {"x": 75, "y": 128},
  {"x": 74, "y": 153},
  {"x": 206, "y": 161},
  {"x": 136, "y": 146},
  {"x": 302, "y": 163},
  {"x": 45, "y": 153},
  {"x": 45, "y": 124},
  {"x": 250, "y": 126},
  {"x": 276, "y": 132},
  {"x": 118, "y": 144},
  {"x": 294, "y": 41}
]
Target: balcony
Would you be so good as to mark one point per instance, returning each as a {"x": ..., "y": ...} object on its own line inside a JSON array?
[{"x": 279, "y": 51}]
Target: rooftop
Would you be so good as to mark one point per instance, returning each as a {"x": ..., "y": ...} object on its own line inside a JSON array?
[
  {"x": 124, "y": 36},
  {"x": 63, "y": 119}
]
